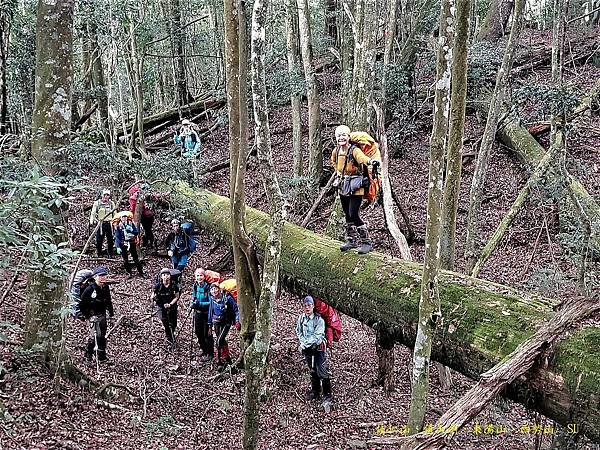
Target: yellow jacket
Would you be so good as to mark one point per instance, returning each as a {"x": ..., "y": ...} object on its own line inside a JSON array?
[
  {"x": 105, "y": 212},
  {"x": 353, "y": 166}
]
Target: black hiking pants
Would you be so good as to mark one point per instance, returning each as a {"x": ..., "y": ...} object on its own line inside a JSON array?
[
  {"x": 126, "y": 249},
  {"x": 105, "y": 229},
  {"x": 205, "y": 340},
  {"x": 168, "y": 317},
  {"x": 351, "y": 206},
  {"x": 319, "y": 373},
  {"x": 148, "y": 237}
]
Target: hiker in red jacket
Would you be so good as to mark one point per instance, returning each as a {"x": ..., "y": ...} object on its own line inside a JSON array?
[{"x": 146, "y": 216}]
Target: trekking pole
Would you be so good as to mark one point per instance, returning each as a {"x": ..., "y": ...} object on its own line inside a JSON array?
[
  {"x": 184, "y": 322},
  {"x": 96, "y": 346},
  {"x": 191, "y": 342}
]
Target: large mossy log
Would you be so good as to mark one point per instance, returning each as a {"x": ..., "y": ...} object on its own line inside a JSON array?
[
  {"x": 483, "y": 321},
  {"x": 530, "y": 152}
]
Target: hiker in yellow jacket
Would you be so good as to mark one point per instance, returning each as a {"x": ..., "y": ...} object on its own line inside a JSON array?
[
  {"x": 348, "y": 161},
  {"x": 103, "y": 211}
]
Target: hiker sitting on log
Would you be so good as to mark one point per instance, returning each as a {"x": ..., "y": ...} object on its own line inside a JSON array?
[{"x": 188, "y": 138}]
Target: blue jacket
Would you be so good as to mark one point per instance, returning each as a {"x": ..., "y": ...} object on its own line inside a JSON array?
[
  {"x": 126, "y": 233},
  {"x": 200, "y": 297},
  {"x": 310, "y": 330},
  {"x": 223, "y": 310}
]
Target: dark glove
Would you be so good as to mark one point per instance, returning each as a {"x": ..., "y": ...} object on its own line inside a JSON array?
[{"x": 374, "y": 163}]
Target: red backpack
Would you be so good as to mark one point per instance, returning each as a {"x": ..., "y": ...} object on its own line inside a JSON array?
[{"x": 333, "y": 321}]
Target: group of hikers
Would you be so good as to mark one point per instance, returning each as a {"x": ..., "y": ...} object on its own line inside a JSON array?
[{"x": 355, "y": 160}]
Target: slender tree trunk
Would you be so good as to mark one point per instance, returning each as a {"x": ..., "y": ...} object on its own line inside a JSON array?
[
  {"x": 6, "y": 15},
  {"x": 257, "y": 352},
  {"x": 455, "y": 134},
  {"x": 315, "y": 161},
  {"x": 295, "y": 73},
  {"x": 429, "y": 305},
  {"x": 51, "y": 126},
  {"x": 136, "y": 74},
  {"x": 346, "y": 52},
  {"x": 364, "y": 29},
  {"x": 487, "y": 140},
  {"x": 331, "y": 20},
  {"x": 177, "y": 46},
  {"x": 246, "y": 263},
  {"x": 496, "y": 19},
  {"x": 99, "y": 83}
]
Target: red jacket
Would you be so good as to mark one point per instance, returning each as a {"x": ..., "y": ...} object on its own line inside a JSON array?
[
  {"x": 134, "y": 192},
  {"x": 333, "y": 321}
]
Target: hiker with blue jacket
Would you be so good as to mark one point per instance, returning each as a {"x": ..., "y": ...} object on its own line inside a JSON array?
[
  {"x": 96, "y": 305},
  {"x": 178, "y": 245},
  {"x": 125, "y": 240},
  {"x": 310, "y": 329},
  {"x": 222, "y": 314},
  {"x": 188, "y": 139},
  {"x": 200, "y": 304}
]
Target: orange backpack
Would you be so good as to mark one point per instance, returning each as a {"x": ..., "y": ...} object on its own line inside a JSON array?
[
  {"x": 212, "y": 277},
  {"x": 230, "y": 286},
  {"x": 370, "y": 148}
]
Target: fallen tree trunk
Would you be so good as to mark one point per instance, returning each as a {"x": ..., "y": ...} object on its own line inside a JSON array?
[
  {"x": 171, "y": 116},
  {"x": 530, "y": 152},
  {"x": 493, "y": 381},
  {"x": 483, "y": 322}
]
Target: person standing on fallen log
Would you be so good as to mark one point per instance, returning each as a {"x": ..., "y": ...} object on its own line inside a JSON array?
[
  {"x": 178, "y": 245},
  {"x": 310, "y": 329},
  {"x": 348, "y": 160},
  {"x": 188, "y": 138}
]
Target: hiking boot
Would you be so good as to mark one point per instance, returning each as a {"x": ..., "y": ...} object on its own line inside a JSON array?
[
  {"x": 351, "y": 238},
  {"x": 311, "y": 395},
  {"x": 365, "y": 240}
]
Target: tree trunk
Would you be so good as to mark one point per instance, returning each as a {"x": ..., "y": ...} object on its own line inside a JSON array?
[
  {"x": 315, "y": 161},
  {"x": 455, "y": 135},
  {"x": 331, "y": 20},
  {"x": 483, "y": 322},
  {"x": 496, "y": 19},
  {"x": 346, "y": 53},
  {"x": 429, "y": 305},
  {"x": 256, "y": 354},
  {"x": 177, "y": 44},
  {"x": 51, "y": 127},
  {"x": 99, "y": 84},
  {"x": 136, "y": 74},
  {"x": 245, "y": 261},
  {"x": 487, "y": 140},
  {"x": 295, "y": 73},
  {"x": 507, "y": 220},
  {"x": 364, "y": 29},
  {"x": 6, "y": 15},
  {"x": 517, "y": 364}
]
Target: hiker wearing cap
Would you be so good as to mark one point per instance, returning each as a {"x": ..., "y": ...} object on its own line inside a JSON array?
[
  {"x": 310, "y": 329},
  {"x": 188, "y": 138},
  {"x": 103, "y": 211},
  {"x": 348, "y": 160},
  {"x": 222, "y": 313},
  {"x": 125, "y": 240},
  {"x": 165, "y": 296},
  {"x": 95, "y": 305},
  {"x": 200, "y": 305},
  {"x": 177, "y": 244}
]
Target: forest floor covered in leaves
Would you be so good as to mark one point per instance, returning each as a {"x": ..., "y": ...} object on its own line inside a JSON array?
[{"x": 168, "y": 399}]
